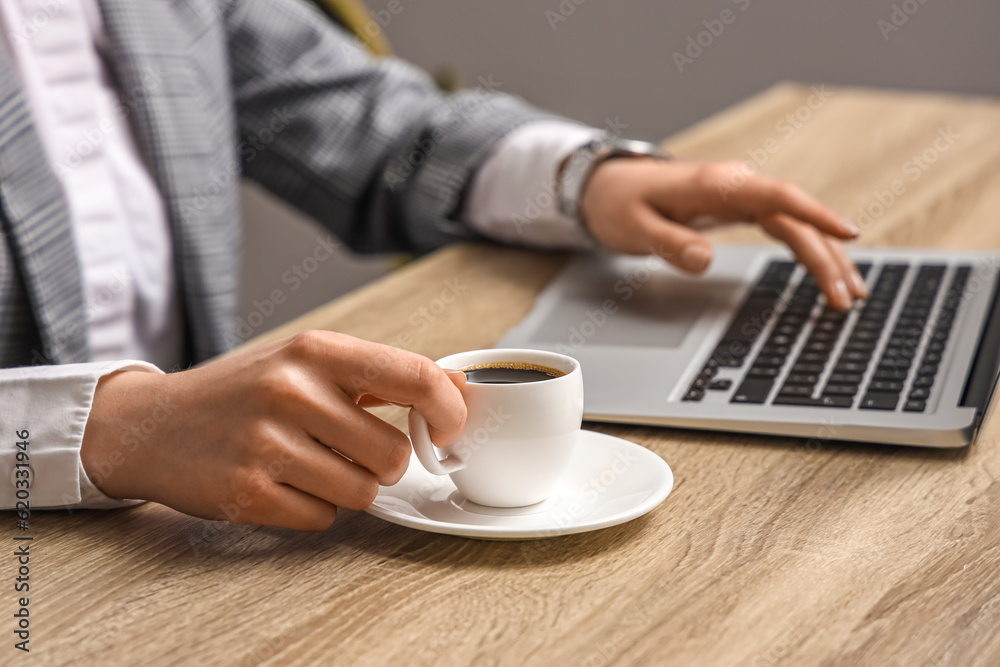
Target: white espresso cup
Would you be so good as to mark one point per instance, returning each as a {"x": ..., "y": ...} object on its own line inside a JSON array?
[{"x": 518, "y": 438}]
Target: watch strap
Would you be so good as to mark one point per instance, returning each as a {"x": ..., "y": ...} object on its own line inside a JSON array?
[{"x": 584, "y": 160}]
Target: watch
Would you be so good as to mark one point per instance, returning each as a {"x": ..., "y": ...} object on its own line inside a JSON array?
[{"x": 584, "y": 160}]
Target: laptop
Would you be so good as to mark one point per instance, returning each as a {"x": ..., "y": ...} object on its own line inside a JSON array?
[{"x": 751, "y": 346}]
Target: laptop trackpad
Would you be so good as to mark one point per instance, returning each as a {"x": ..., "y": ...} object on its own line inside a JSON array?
[{"x": 655, "y": 308}]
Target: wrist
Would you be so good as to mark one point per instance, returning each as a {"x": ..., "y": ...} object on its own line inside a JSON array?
[
  {"x": 577, "y": 170},
  {"x": 115, "y": 433}
]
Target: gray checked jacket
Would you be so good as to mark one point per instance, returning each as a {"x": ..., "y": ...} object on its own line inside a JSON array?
[{"x": 218, "y": 90}]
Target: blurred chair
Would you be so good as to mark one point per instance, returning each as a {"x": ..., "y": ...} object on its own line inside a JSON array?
[{"x": 354, "y": 17}]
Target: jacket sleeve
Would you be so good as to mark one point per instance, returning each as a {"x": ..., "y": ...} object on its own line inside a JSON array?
[{"x": 369, "y": 148}]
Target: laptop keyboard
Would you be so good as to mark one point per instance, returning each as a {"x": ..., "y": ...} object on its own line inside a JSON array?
[{"x": 831, "y": 368}]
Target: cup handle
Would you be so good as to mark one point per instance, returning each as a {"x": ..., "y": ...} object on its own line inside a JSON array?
[{"x": 421, "y": 438}]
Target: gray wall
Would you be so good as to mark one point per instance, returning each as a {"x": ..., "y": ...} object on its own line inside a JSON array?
[{"x": 615, "y": 59}]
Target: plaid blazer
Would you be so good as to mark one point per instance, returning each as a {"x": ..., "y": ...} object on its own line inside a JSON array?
[{"x": 216, "y": 90}]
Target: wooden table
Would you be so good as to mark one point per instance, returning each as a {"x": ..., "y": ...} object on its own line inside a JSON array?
[{"x": 766, "y": 553}]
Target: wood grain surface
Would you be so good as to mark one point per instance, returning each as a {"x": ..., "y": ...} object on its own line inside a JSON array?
[{"x": 769, "y": 551}]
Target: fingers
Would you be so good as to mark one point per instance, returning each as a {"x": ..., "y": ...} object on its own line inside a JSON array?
[
  {"x": 368, "y": 401},
  {"x": 286, "y": 507},
  {"x": 372, "y": 444},
  {"x": 327, "y": 475},
  {"x": 360, "y": 367},
  {"x": 762, "y": 196},
  {"x": 812, "y": 249},
  {"x": 855, "y": 283},
  {"x": 684, "y": 248}
]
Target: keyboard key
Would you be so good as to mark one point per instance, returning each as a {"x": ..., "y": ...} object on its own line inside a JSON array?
[
  {"x": 821, "y": 402},
  {"x": 796, "y": 390},
  {"x": 694, "y": 394},
  {"x": 846, "y": 378},
  {"x": 763, "y": 371},
  {"x": 841, "y": 389},
  {"x": 914, "y": 405},
  {"x": 720, "y": 385},
  {"x": 880, "y": 385},
  {"x": 888, "y": 375},
  {"x": 850, "y": 367},
  {"x": 920, "y": 392},
  {"x": 879, "y": 401},
  {"x": 727, "y": 360},
  {"x": 787, "y": 329},
  {"x": 828, "y": 401},
  {"x": 753, "y": 390}
]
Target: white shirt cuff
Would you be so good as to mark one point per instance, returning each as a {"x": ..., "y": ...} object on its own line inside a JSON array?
[
  {"x": 51, "y": 404},
  {"x": 514, "y": 198}
]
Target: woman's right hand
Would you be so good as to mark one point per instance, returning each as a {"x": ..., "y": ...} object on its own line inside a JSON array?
[{"x": 275, "y": 436}]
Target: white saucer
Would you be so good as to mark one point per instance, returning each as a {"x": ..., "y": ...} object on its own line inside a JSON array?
[{"x": 609, "y": 481}]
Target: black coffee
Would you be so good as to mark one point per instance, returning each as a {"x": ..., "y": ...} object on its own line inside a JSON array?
[{"x": 509, "y": 372}]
